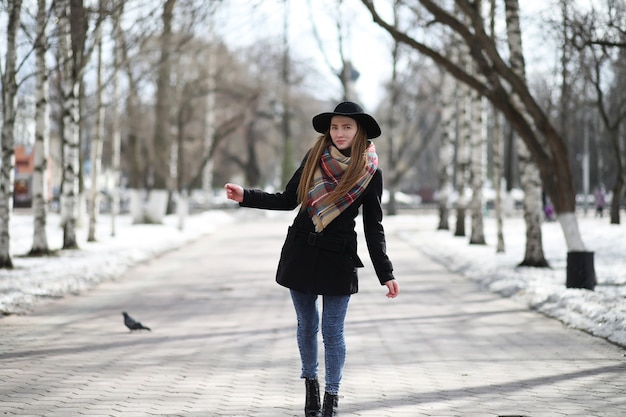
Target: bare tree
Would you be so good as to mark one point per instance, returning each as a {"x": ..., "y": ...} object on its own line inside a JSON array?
[
  {"x": 446, "y": 149},
  {"x": 501, "y": 83},
  {"x": 497, "y": 179},
  {"x": 159, "y": 179},
  {"x": 498, "y": 159},
  {"x": 288, "y": 165},
  {"x": 98, "y": 138},
  {"x": 70, "y": 85},
  {"x": 393, "y": 147},
  {"x": 462, "y": 141},
  {"x": 42, "y": 136},
  {"x": 345, "y": 72},
  {"x": 530, "y": 179},
  {"x": 409, "y": 118},
  {"x": 74, "y": 53},
  {"x": 602, "y": 45},
  {"x": 9, "y": 97},
  {"x": 116, "y": 137},
  {"x": 478, "y": 162}
]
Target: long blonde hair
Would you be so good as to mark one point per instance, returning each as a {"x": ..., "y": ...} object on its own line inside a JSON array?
[{"x": 356, "y": 166}]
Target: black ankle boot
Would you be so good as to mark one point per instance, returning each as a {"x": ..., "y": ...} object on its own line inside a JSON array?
[
  {"x": 312, "y": 404},
  {"x": 330, "y": 405}
]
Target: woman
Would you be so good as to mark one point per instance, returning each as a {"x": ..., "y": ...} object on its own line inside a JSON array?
[{"x": 338, "y": 176}]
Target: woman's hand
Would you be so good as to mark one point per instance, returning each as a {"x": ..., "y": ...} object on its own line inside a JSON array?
[
  {"x": 234, "y": 192},
  {"x": 393, "y": 288}
]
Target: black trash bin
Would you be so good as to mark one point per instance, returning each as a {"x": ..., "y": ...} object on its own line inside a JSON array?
[{"x": 581, "y": 272}]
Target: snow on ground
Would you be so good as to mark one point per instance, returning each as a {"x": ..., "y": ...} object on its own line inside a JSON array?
[
  {"x": 35, "y": 279},
  {"x": 601, "y": 312}
]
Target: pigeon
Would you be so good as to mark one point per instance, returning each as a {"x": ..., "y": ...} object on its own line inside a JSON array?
[{"x": 132, "y": 324}]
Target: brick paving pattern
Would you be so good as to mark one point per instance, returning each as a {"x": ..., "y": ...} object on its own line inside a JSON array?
[{"x": 223, "y": 344}]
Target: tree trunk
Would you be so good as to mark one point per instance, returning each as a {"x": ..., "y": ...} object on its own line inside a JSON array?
[
  {"x": 96, "y": 146},
  {"x": 392, "y": 128},
  {"x": 135, "y": 155},
  {"x": 446, "y": 149},
  {"x": 497, "y": 179},
  {"x": 496, "y": 130},
  {"x": 462, "y": 147},
  {"x": 115, "y": 134},
  {"x": 618, "y": 192},
  {"x": 287, "y": 166},
  {"x": 9, "y": 101},
  {"x": 209, "y": 120},
  {"x": 477, "y": 168},
  {"x": 618, "y": 186},
  {"x": 162, "y": 137},
  {"x": 70, "y": 90},
  {"x": 529, "y": 174},
  {"x": 545, "y": 144},
  {"x": 42, "y": 137},
  {"x": 252, "y": 171}
]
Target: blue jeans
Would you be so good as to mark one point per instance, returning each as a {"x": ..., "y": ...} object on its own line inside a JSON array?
[{"x": 333, "y": 317}]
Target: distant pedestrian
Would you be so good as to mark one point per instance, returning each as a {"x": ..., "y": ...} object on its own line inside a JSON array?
[
  {"x": 548, "y": 208},
  {"x": 549, "y": 212},
  {"x": 338, "y": 176},
  {"x": 600, "y": 198}
]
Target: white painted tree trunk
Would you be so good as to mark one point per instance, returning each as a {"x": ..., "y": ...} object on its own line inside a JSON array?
[
  {"x": 148, "y": 206},
  {"x": 9, "y": 101},
  {"x": 42, "y": 137},
  {"x": 156, "y": 207},
  {"x": 573, "y": 239},
  {"x": 136, "y": 197},
  {"x": 182, "y": 208}
]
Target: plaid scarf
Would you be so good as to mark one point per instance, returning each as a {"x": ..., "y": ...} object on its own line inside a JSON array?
[{"x": 328, "y": 173}]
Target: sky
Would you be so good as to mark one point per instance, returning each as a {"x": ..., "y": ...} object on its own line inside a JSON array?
[
  {"x": 601, "y": 312},
  {"x": 243, "y": 22}
]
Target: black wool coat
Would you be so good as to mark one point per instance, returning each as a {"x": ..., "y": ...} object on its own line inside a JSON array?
[{"x": 326, "y": 263}]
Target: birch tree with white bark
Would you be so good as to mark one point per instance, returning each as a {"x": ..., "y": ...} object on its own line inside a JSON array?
[
  {"x": 477, "y": 153},
  {"x": 462, "y": 143},
  {"x": 9, "y": 108},
  {"x": 500, "y": 84},
  {"x": 446, "y": 149},
  {"x": 498, "y": 159},
  {"x": 477, "y": 166},
  {"x": 42, "y": 135},
  {"x": 97, "y": 140},
  {"x": 74, "y": 50},
  {"x": 116, "y": 136},
  {"x": 529, "y": 173},
  {"x": 69, "y": 136}
]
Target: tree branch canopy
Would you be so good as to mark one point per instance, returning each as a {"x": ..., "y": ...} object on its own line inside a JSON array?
[{"x": 499, "y": 83}]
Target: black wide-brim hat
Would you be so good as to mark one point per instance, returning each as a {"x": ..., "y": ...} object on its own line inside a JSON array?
[{"x": 321, "y": 122}]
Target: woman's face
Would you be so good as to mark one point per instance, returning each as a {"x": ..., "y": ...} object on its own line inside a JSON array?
[{"x": 342, "y": 131}]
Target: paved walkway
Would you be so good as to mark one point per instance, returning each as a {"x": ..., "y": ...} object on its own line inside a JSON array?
[{"x": 223, "y": 344}]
